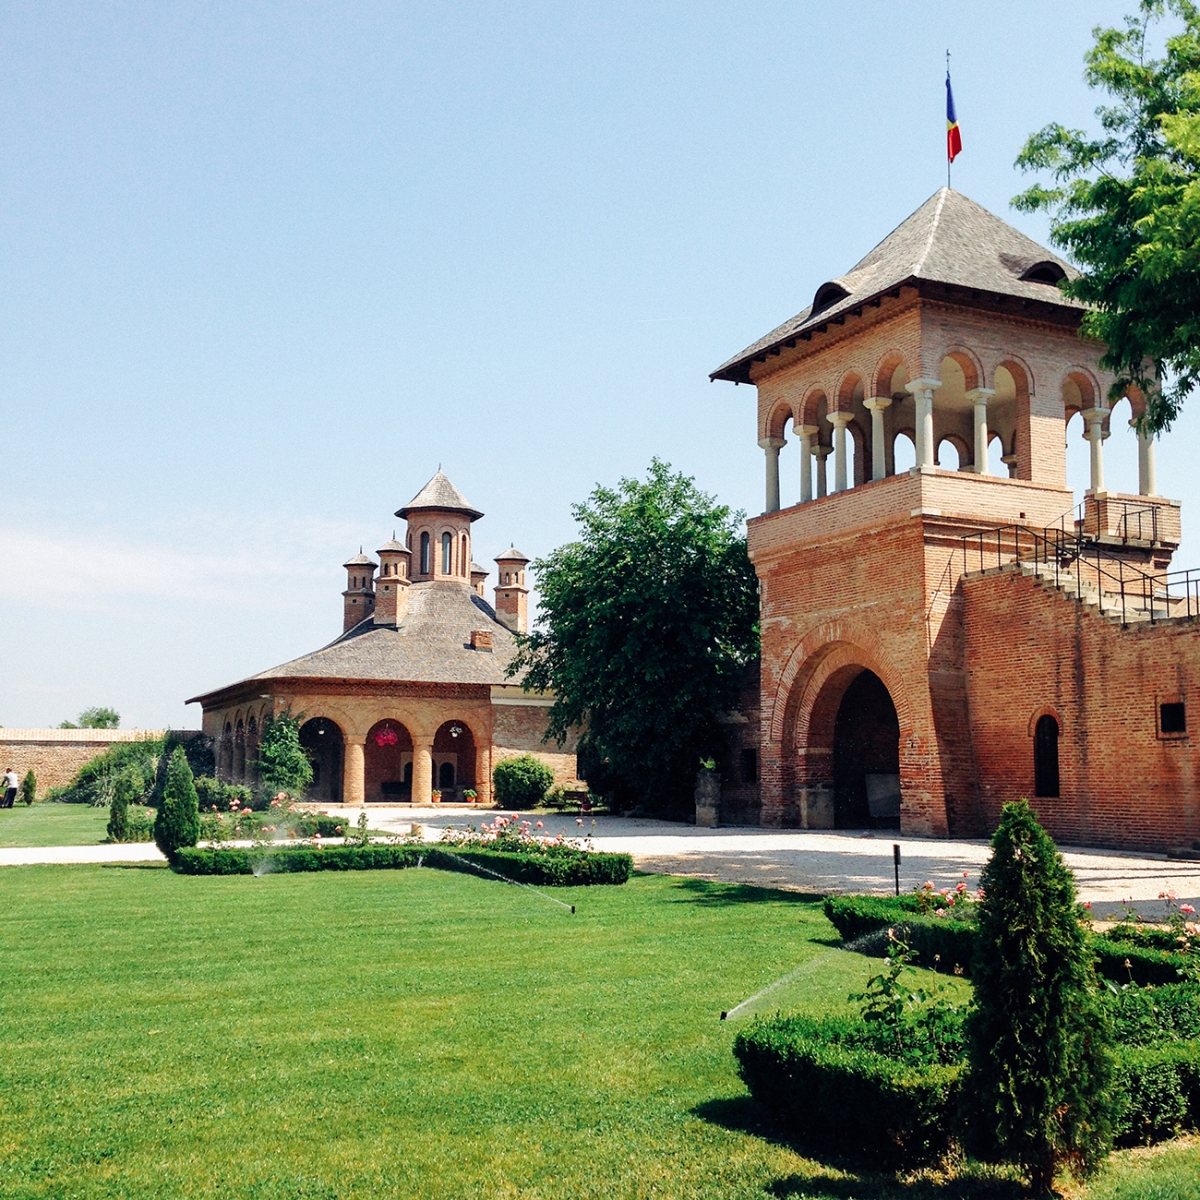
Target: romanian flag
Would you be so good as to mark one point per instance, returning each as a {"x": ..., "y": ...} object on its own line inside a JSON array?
[{"x": 953, "y": 137}]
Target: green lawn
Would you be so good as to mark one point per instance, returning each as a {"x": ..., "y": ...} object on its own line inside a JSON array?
[
  {"x": 52, "y": 825},
  {"x": 408, "y": 1033}
]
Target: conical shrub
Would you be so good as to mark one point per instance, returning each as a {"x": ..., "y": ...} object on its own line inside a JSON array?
[
  {"x": 1038, "y": 1044},
  {"x": 177, "y": 823}
]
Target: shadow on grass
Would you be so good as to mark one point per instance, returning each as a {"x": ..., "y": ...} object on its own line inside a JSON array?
[
  {"x": 136, "y": 866},
  {"x": 720, "y": 895},
  {"x": 837, "y": 1177}
]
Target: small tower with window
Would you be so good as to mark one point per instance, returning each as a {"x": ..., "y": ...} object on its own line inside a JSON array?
[
  {"x": 478, "y": 575},
  {"x": 359, "y": 596},
  {"x": 439, "y": 533},
  {"x": 391, "y": 588},
  {"x": 512, "y": 596}
]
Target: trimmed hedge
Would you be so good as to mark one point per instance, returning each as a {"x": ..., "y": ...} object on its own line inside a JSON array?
[
  {"x": 943, "y": 943},
  {"x": 848, "y": 1098},
  {"x": 1158, "y": 1090},
  {"x": 952, "y": 939},
  {"x": 554, "y": 870}
]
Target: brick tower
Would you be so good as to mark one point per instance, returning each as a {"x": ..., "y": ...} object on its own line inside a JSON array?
[
  {"x": 875, "y": 710},
  {"x": 359, "y": 596},
  {"x": 512, "y": 596}
]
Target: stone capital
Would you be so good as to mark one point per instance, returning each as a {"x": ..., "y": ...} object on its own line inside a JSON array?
[
  {"x": 923, "y": 385},
  {"x": 980, "y": 395},
  {"x": 822, "y": 451},
  {"x": 772, "y": 443},
  {"x": 355, "y": 739},
  {"x": 840, "y": 418},
  {"x": 1093, "y": 414},
  {"x": 877, "y": 403},
  {"x": 806, "y": 430}
]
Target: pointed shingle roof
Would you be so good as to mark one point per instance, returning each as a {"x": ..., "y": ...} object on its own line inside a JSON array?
[
  {"x": 949, "y": 240},
  {"x": 359, "y": 560},
  {"x": 512, "y": 554},
  {"x": 440, "y": 493}
]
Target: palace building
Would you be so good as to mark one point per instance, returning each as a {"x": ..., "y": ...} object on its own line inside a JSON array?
[
  {"x": 938, "y": 639},
  {"x": 414, "y": 694}
]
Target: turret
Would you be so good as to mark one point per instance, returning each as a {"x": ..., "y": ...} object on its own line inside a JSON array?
[
  {"x": 359, "y": 596},
  {"x": 478, "y": 575},
  {"x": 512, "y": 596},
  {"x": 391, "y": 588},
  {"x": 439, "y": 533}
]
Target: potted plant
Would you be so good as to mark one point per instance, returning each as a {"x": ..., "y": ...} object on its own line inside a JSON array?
[
  {"x": 470, "y": 795},
  {"x": 436, "y": 796}
]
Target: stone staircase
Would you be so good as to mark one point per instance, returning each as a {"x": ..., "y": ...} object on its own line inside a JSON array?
[{"x": 1133, "y": 609}]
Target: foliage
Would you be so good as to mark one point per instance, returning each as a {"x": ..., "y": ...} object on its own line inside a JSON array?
[
  {"x": 213, "y": 793},
  {"x": 945, "y": 943},
  {"x": 563, "y": 870},
  {"x": 1151, "y": 1016},
  {"x": 139, "y": 824},
  {"x": 29, "y": 788},
  {"x": 521, "y": 782},
  {"x": 829, "y": 1086},
  {"x": 283, "y": 763},
  {"x": 178, "y": 822},
  {"x": 1038, "y": 1040},
  {"x": 910, "y": 1024},
  {"x": 647, "y": 623},
  {"x": 125, "y": 792},
  {"x": 1126, "y": 206},
  {"x": 94, "y": 781},
  {"x": 95, "y": 718},
  {"x": 1158, "y": 1092}
]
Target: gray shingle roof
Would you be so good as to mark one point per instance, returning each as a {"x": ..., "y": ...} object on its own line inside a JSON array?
[
  {"x": 476, "y": 569},
  {"x": 431, "y": 645},
  {"x": 512, "y": 554},
  {"x": 439, "y": 492},
  {"x": 393, "y": 547},
  {"x": 359, "y": 560},
  {"x": 949, "y": 240}
]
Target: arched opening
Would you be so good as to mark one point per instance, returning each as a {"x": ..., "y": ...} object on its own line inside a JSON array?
[
  {"x": 225, "y": 753},
  {"x": 904, "y": 452},
  {"x": 324, "y": 744},
  {"x": 454, "y": 758},
  {"x": 949, "y": 457},
  {"x": 387, "y": 765},
  {"x": 464, "y": 560},
  {"x": 996, "y": 464},
  {"x": 1121, "y": 450},
  {"x": 425, "y": 564},
  {"x": 239, "y": 752},
  {"x": 1045, "y": 756},
  {"x": 1078, "y": 453},
  {"x": 447, "y": 554},
  {"x": 866, "y": 757},
  {"x": 252, "y": 750}
]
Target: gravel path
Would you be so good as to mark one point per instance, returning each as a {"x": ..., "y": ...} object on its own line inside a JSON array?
[{"x": 802, "y": 860}]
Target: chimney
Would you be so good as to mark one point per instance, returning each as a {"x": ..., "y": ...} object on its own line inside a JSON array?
[
  {"x": 391, "y": 588},
  {"x": 359, "y": 596},
  {"x": 481, "y": 639},
  {"x": 478, "y": 575},
  {"x": 512, "y": 596}
]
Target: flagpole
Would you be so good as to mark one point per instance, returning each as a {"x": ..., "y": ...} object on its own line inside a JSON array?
[{"x": 947, "y": 156}]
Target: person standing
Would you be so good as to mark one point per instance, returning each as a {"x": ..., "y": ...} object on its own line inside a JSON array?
[{"x": 11, "y": 783}]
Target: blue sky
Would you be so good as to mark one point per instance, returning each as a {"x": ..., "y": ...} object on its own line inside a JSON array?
[{"x": 264, "y": 266}]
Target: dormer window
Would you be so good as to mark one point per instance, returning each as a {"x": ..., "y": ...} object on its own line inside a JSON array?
[
  {"x": 1044, "y": 272},
  {"x": 828, "y": 294}
]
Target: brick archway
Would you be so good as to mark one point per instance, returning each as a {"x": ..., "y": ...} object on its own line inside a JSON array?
[{"x": 800, "y": 732}]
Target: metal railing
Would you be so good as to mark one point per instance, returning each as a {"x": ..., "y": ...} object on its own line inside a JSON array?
[{"x": 1098, "y": 574}]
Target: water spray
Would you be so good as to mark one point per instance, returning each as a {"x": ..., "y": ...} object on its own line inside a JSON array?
[{"x": 516, "y": 882}]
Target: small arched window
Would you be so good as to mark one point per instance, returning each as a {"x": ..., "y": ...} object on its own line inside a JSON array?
[
  {"x": 462, "y": 562},
  {"x": 1045, "y": 756},
  {"x": 425, "y": 554},
  {"x": 447, "y": 551}
]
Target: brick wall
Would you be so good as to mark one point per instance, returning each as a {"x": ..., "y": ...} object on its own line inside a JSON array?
[
  {"x": 1031, "y": 650},
  {"x": 55, "y": 755},
  {"x": 519, "y": 728}
]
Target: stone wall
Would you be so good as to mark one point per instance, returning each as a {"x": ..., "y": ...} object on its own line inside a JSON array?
[{"x": 55, "y": 755}]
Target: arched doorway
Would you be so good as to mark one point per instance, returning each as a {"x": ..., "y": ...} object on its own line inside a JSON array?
[
  {"x": 387, "y": 762},
  {"x": 323, "y": 742},
  {"x": 453, "y": 758},
  {"x": 866, "y": 756}
]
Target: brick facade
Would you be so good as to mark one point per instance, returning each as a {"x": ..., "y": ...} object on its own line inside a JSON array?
[{"x": 55, "y": 755}]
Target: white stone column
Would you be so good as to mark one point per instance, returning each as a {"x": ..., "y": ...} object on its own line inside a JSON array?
[
  {"x": 821, "y": 453},
  {"x": 979, "y": 398},
  {"x": 1094, "y": 419},
  {"x": 1147, "y": 484},
  {"x": 922, "y": 392},
  {"x": 806, "y": 434},
  {"x": 771, "y": 447},
  {"x": 875, "y": 405},
  {"x": 839, "y": 421}
]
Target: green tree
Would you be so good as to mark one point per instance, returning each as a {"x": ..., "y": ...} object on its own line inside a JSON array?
[
  {"x": 127, "y": 788},
  {"x": 647, "y": 624},
  {"x": 177, "y": 822},
  {"x": 1038, "y": 1041},
  {"x": 283, "y": 763},
  {"x": 95, "y": 718},
  {"x": 1125, "y": 206},
  {"x": 29, "y": 787},
  {"x": 521, "y": 782}
]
